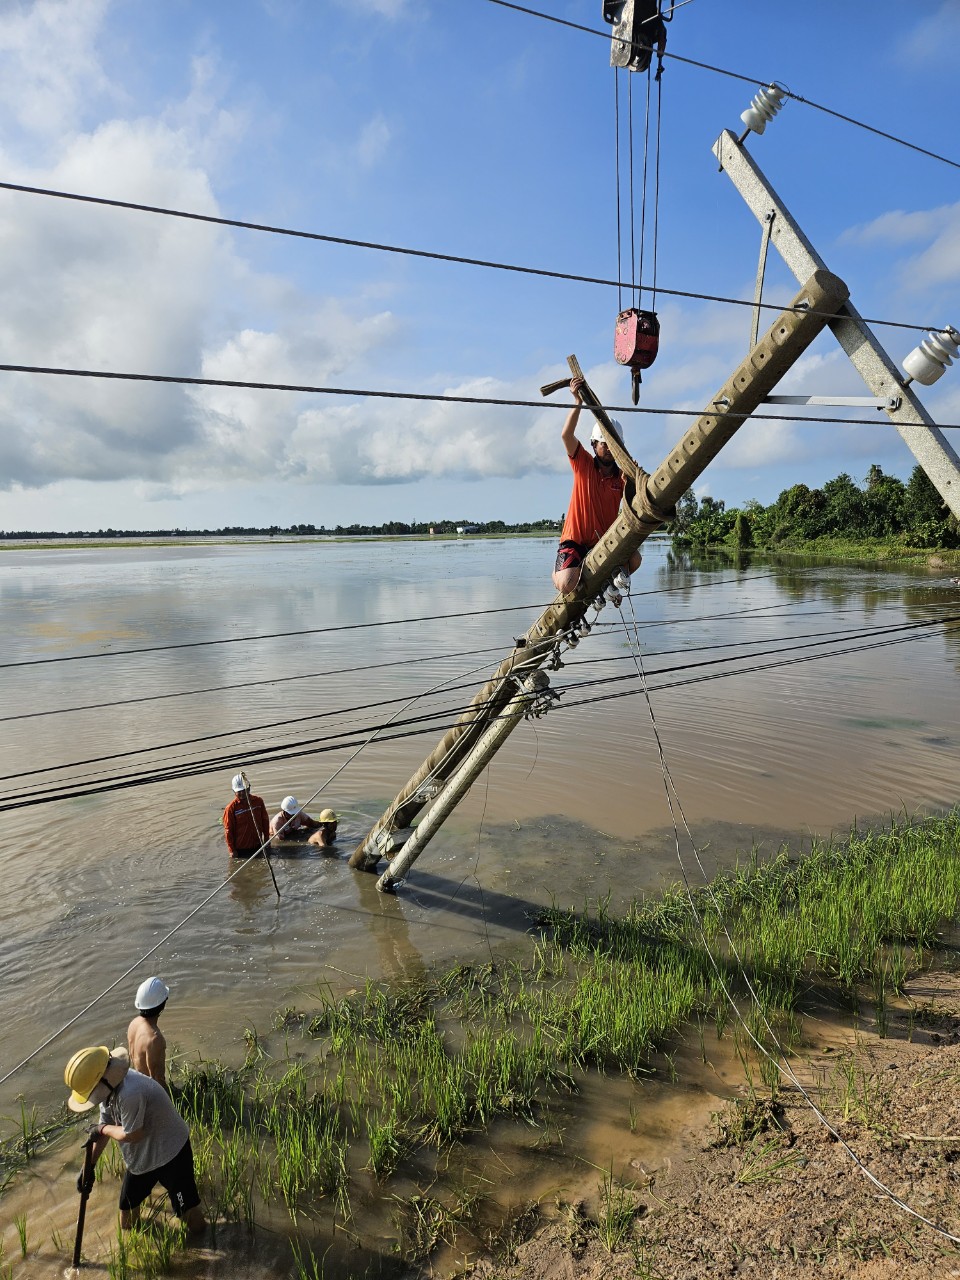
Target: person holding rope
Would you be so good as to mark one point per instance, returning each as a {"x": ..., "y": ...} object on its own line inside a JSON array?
[
  {"x": 246, "y": 823},
  {"x": 136, "y": 1113},
  {"x": 594, "y": 502}
]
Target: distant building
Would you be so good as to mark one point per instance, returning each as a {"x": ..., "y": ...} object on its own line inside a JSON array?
[{"x": 466, "y": 528}]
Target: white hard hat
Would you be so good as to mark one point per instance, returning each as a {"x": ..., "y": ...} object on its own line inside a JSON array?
[
  {"x": 597, "y": 434},
  {"x": 240, "y": 782},
  {"x": 289, "y": 804},
  {"x": 151, "y": 994}
]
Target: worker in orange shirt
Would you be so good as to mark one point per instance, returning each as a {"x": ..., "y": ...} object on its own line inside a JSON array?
[
  {"x": 594, "y": 502},
  {"x": 246, "y": 823}
]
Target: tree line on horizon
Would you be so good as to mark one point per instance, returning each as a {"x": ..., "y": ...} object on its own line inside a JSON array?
[
  {"x": 390, "y": 528},
  {"x": 882, "y": 507}
]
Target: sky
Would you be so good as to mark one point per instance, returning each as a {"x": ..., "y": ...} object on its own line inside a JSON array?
[{"x": 454, "y": 126}]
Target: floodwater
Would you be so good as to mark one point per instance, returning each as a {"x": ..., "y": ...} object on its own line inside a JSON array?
[{"x": 573, "y": 808}]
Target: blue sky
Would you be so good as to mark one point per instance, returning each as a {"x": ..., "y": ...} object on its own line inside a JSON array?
[{"x": 449, "y": 125}]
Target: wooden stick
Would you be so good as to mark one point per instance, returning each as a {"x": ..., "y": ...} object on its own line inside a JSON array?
[{"x": 86, "y": 1186}]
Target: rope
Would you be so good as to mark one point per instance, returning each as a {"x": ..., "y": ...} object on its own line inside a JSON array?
[
  {"x": 656, "y": 195},
  {"x": 112, "y": 987},
  {"x": 165, "y": 211},
  {"x": 643, "y": 202},
  {"x": 633, "y": 220},
  {"x": 616, "y": 116},
  {"x": 360, "y": 393},
  {"x": 780, "y": 1059}
]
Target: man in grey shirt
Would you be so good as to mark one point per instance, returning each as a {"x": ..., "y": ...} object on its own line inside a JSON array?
[{"x": 137, "y": 1113}]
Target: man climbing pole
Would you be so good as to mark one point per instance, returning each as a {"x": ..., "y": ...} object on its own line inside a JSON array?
[{"x": 594, "y": 502}]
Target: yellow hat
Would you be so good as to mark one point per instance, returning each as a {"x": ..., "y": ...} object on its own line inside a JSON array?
[
  {"x": 327, "y": 816},
  {"x": 83, "y": 1073}
]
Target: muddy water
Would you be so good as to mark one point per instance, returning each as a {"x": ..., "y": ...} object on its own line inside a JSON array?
[{"x": 573, "y": 807}]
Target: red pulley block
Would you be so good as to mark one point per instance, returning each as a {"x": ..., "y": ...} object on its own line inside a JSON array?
[{"x": 636, "y": 342}]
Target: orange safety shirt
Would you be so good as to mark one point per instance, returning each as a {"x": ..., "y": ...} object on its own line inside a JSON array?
[
  {"x": 246, "y": 823},
  {"x": 594, "y": 502}
]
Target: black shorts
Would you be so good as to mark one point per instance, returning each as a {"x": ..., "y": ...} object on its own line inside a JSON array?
[
  {"x": 245, "y": 853},
  {"x": 570, "y": 555},
  {"x": 176, "y": 1177}
]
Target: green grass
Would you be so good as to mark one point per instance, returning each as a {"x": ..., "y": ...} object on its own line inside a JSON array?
[{"x": 389, "y": 1081}]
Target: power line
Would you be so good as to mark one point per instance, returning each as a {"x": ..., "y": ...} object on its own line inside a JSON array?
[
  {"x": 405, "y": 251},
  {"x": 349, "y": 626},
  {"x": 282, "y": 752},
  {"x": 248, "y": 684},
  {"x": 736, "y": 75},
  {"x": 434, "y": 398},
  {"x": 402, "y": 662},
  {"x": 272, "y": 635},
  {"x": 829, "y": 637}
]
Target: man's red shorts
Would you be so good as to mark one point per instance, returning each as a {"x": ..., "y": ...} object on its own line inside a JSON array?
[{"x": 570, "y": 555}]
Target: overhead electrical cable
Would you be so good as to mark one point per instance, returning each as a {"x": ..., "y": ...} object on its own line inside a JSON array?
[
  {"x": 270, "y": 635},
  {"x": 459, "y": 259},
  {"x": 346, "y": 626},
  {"x": 402, "y": 662},
  {"x": 242, "y": 732},
  {"x": 790, "y": 642},
  {"x": 737, "y": 75},
  {"x": 431, "y": 397},
  {"x": 286, "y": 751},
  {"x": 249, "y": 684},
  {"x": 761, "y": 610}
]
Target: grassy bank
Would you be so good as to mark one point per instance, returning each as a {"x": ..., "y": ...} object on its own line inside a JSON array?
[
  {"x": 871, "y": 550},
  {"x": 339, "y": 1126}
]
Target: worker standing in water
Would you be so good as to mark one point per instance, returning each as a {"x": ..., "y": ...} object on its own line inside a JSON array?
[
  {"x": 246, "y": 823},
  {"x": 145, "y": 1041}
]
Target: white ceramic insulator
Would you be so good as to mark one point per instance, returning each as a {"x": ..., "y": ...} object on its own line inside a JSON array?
[
  {"x": 928, "y": 362},
  {"x": 763, "y": 108}
]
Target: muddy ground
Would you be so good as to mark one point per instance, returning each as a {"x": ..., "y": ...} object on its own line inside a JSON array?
[{"x": 768, "y": 1190}]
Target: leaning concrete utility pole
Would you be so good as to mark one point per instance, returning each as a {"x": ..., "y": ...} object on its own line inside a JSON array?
[
  {"x": 918, "y": 430},
  {"x": 648, "y": 502}
]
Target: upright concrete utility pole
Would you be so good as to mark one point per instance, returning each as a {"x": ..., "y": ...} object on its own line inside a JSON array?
[
  {"x": 648, "y": 502},
  {"x": 918, "y": 430}
]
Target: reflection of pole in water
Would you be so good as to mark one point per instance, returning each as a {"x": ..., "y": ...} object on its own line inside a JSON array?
[{"x": 384, "y": 917}]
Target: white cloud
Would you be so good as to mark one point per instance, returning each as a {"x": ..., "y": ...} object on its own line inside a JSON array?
[
  {"x": 49, "y": 70},
  {"x": 937, "y": 230},
  {"x": 374, "y": 140},
  {"x": 935, "y": 38},
  {"x": 392, "y": 9}
]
